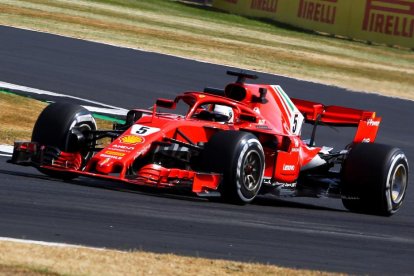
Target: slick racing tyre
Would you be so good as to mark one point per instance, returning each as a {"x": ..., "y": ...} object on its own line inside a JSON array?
[
  {"x": 239, "y": 157},
  {"x": 374, "y": 179},
  {"x": 56, "y": 126}
]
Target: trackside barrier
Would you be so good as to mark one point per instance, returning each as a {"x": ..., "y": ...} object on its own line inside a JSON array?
[{"x": 389, "y": 22}]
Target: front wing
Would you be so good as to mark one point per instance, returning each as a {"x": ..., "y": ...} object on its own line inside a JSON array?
[{"x": 151, "y": 175}]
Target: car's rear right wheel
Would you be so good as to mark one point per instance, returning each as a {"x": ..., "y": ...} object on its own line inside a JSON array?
[{"x": 374, "y": 179}]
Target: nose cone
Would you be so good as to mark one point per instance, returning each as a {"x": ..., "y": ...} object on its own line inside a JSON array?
[{"x": 105, "y": 166}]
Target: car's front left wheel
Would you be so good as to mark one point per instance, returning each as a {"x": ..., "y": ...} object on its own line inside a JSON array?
[{"x": 239, "y": 157}]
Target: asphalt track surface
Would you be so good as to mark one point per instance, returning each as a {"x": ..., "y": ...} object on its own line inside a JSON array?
[{"x": 302, "y": 233}]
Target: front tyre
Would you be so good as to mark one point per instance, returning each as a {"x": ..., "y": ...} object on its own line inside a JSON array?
[
  {"x": 64, "y": 126},
  {"x": 239, "y": 157},
  {"x": 374, "y": 179}
]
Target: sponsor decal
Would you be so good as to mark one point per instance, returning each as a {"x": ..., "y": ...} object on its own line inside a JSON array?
[
  {"x": 143, "y": 130},
  {"x": 350, "y": 197},
  {"x": 366, "y": 140},
  {"x": 267, "y": 181},
  {"x": 132, "y": 139},
  {"x": 110, "y": 157},
  {"x": 265, "y": 127},
  {"x": 318, "y": 10},
  {"x": 264, "y": 5},
  {"x": 127, "y": 148},
  {"x": 395, "y": 18},
  {"x": 84, "y": 118},
  {"x": 371, "y": 122},
  {"x": 289, "y": 167},
  {"x": 289, "y": 185},
  {"x": 114, "y": 153}
]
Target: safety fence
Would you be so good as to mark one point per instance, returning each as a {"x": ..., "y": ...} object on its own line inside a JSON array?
[{"x": 388, "y": 22}]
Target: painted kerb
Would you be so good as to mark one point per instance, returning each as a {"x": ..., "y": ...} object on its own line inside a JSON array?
[{"x": 389, "y": 22}]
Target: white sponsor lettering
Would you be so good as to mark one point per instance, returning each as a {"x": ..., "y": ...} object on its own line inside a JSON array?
[
  {"x": 371, "y": 122},
  {"x": 288, "y": 167},
  {"x": 123, "y": 147},
  {"x": 111, "y": 156},
  {"x": 85, "y": 118},
  {"x": 289, "y": 185}
]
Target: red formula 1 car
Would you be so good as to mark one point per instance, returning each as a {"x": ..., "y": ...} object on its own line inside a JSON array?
[{"x": 238, "y": 142}]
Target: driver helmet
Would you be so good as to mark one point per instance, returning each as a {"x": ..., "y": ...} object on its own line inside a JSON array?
[{"x": 223, "y": 113}]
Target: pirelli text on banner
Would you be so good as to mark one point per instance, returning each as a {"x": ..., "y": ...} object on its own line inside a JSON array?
[
  {"x": 395, "y": 18},
  {"x": 383, "y": 21},
  {"x": 264, "y": 5},
  {"x": 320, "y": 10}
]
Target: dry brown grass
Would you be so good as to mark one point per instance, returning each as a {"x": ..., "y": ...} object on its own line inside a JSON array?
[
  {"x": 18, "y": 115},
  {"x": 177, "y": 29},
  {"x": 85, "y": 261}
]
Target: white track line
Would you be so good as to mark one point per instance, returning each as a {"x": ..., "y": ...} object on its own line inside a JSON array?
[
  {"x": 118, "y": 111},
  {"x": 6, "y": 150},
  {"x": 209, "y": 62},
  {"x": 187, "y": 58},
  {"x": 52, "y": 244},
  {"x": 11, "y": 86}
]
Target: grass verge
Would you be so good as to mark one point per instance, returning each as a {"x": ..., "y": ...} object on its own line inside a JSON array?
[
  {"x": 203, "y": 33},
  {"x": 18, "y": 115},
  {"x": 47, "y": 260}
]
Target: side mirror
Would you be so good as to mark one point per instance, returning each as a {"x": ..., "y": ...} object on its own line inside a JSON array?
[{"x": 165, "y": 103}]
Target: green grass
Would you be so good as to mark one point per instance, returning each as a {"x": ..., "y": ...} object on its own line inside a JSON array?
[
  {"x": 25, "y": 270},
  {"x": 204, "y": 33}
]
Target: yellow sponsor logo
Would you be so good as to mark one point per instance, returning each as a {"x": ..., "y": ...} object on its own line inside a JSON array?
[
  {"x": 132, "y": 139},
  {"x": 114, "y": 153}
]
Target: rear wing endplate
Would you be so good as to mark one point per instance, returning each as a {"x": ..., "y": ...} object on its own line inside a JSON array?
[{"x": 366, "y": 121}]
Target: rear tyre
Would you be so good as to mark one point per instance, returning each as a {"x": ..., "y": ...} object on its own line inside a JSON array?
[
  {"x": 374, "y": 179},
  {"x": 55, "y": 127},
  {"x": 239, "y": 157}
]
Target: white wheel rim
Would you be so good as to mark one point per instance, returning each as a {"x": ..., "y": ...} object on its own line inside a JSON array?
[{"x": 398, "y": 183}]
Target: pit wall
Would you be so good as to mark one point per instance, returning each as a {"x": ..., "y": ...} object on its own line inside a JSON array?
[{"x": 388, "y": 22}]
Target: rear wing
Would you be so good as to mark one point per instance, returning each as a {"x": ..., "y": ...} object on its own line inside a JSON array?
[{"x": 366, "y": 121}]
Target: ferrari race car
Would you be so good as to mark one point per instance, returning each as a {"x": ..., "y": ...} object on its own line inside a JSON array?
[{"x": 234, "y": 143}]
